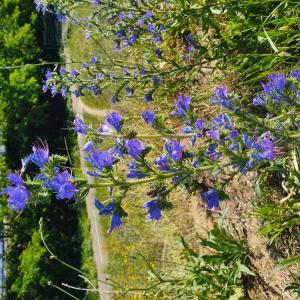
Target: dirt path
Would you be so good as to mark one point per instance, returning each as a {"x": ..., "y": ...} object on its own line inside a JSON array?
[
  {"x": 95, "y": 229},
  {"x": 100, "y": 255}
]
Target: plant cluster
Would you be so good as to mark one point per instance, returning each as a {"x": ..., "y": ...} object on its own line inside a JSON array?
[{"x": 256, "y": 129}]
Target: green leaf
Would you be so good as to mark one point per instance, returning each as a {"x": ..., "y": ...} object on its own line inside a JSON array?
[{"x": 270, "y": 41}]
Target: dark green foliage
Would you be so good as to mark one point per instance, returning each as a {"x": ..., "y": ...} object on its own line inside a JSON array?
[
  {"x": 220, "y": 270},
  {"x": 25, "y": 116}
]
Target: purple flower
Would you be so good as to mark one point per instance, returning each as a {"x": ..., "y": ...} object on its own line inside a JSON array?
[
  {"x": 62, "y": 70},
  {"x": 114, "y": 120},
  {"x": 158, "y": 52},
  {"x": 15, "y": 179},
  {"x": 122, "y": 16},
  {"x": 148, "y": 97},
  {"x": 64, "y": 91},
  {"x": 214, "y": 134},
  {"x": 40, "y": 155},
  {"x": 88, "y": 147},
  {"x": 265, "y": 148},
  {"x": 234, "y": 146},
  {"x": 199, "y": 124},
  {"x": 174, "y": 149},
  {"x": 115, "y": 222},
  {"x": 79, "y": 126},
  {"x": 149, "y": 14},
  {"x": 93, "y": 60},
  {"x": 87, "y": 35},
  {"x": 154, "y": 210},
  {"x": 134, "y": 148},
  {"x": 223, "y": 121},
  {"x": 129, "y": 92},
  {"x": 182, "y": 105},
  {"x": 275, "y": 87},
  {"x": 163, "y": 163},
  {"x": 151, "y": 28},
  {"x": 248, "y": 141},
  {"x": 40, "y": 6},
  {"x": 95, "y": 90},
  {"x": 134, "y": 171},
  {"x": 149, "y": 117},
  {"x": 259, "y": 100},
  {"x": 296, "y": 74},
  {"x": 222, "y": 98},
  {"x": 74, "y": 73},
  {"x": 221, "y": 92},
  {"x": 211, "y": 152},
  {"x": 233, "y": 134},
  {"x": 101, "y": 160},
  {"x": 212, "y": 199},
  {"x": 18, "y": 197},
  {"x": 66, "y": 191},
  {"x": 110, "y": 209}
]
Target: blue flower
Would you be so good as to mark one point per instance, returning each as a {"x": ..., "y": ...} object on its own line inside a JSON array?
[
  {"x": 221, "y": 92},
  {"x": 233, "y": 134},
  {"x": 234, "y": 146},
  {"x": 122, "y": 16},
  {"x": 67, "y": 191},
  {"x": 296, "y": 74},
  {"x": 149, "y": 117},
  {"x": 117, "y": 149},
  {"x": 18, "y": 194},
  {"x": 222, "y": 98},
  {"x": 134, "y": 171},
  {"x": 79, "y": 126},
  {"x": 40, "y": 6},
  {"x": 95, "y": 90},
  {"x": 134, "y": 148},
  {"x": 211, "y": 152},
  {"x": 157, "y": 80},
  {"x": 174, "y": 149},
  {"x": 88, "y": 147},
  {"x": 148, "y": 97},
  {"x": 93, "y": 60},
  {"x": 158, "y": 52},
  {"x": 18, "y": 197},
  {"x": 212, "y": 199},
  {"x": 40, "y": 155},
  {"x": 149, "y": 14},
  {"x": 151, "y": 28},
  {"x": 74, "y": 73},
  {"x": 182, "y": 105},
  {"x": 163, "y": 163},
  {"x": 129, "y": 92},
  {"x": 115, "y": 222},
  {"x": 248, "y": 141},
  {"x": 101, "y": 160},
  {"x": 275, "y": 87},
  {"x": 214, "y": 134},
  {"x": 265, "y": 148},
  {"x": 154, "y": 210},
  {"x": 15, "y": 179},
  {"x": 61, "y": 184},
  {"x": 259, "y": 100},
  {"x": 110, "y": 209},
  {"x": 199, "y": 124},
  {"x": 223, "y": 121},
  {"x": 115, "y": 120}
]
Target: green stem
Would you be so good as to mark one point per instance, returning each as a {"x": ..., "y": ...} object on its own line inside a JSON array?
[
  {"x": 128, "y": 183},
  {"x": 150, "y": 136}
]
